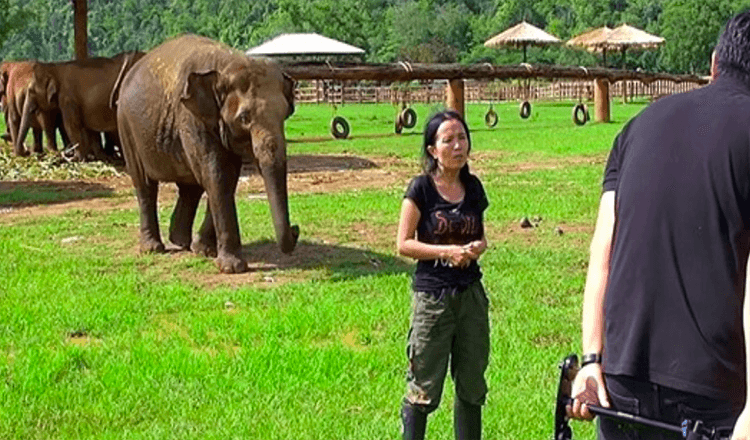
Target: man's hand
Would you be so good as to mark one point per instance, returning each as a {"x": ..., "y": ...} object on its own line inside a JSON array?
[
  {"x": 588, "y": 389},
  {"x": 742, "y": 427}
]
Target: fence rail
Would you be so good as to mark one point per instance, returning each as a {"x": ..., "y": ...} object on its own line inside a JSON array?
[{"x": 339, "y": 92}]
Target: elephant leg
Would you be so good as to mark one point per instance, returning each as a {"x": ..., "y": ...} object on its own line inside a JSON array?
[
  {"x": 14, "y": 122},
  {"x": 181, "y": 225},
  {"x": 221, "y": 191},
  {"x": 38, "y": 148},
  {"x": 205, "y": 243},
  {"x": 48, "y": 126},
  {"x": 147, "y": 192}
]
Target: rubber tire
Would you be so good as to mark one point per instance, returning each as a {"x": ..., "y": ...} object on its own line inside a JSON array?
[
  {"x": 490, "y": 118},
  {"x": 339, "y": 127},
  {"x": 398, "y": 125},
  {"x": 580, "y": 114},
  {"x": 408, "y": 118},
  {"x": 524, "y": 110}
]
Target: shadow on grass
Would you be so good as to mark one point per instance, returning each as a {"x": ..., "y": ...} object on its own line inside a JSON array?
[
  {"x": 318, "y": 139},
  {"x": 342, "y": 261},
  {"x": 305, "y": 163},
  {"x": 47, "y": 192}
]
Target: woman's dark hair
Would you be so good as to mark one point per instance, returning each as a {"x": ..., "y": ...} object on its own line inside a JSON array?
[
  {"x": 429, "y": 163},
  {"x": 733, "y": 49}
]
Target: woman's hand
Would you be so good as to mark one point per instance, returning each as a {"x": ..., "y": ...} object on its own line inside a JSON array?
[
  {"x": 458, "y": 256},
  {"x": 475, "y": 249}
]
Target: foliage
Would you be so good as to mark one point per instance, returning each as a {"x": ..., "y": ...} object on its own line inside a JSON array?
[{"x": 388, "y": 30}]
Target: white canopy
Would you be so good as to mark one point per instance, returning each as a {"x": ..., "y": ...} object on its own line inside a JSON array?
[{"x": 304, "y": 44}]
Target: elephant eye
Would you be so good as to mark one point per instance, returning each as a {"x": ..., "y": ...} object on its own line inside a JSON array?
[{"x": 245, "y": 117}]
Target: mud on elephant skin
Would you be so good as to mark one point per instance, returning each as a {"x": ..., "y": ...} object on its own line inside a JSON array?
[
  {"x": 189, "y": 112},
  {"x": 81, "y": 91}
]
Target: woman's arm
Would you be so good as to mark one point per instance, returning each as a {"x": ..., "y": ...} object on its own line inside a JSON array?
[{"x": 408, "y": 245}]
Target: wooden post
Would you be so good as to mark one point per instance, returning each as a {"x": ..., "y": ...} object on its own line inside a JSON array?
[
  {"x": 80, "y": 13},
  {"x": 455, "y": 96},
  {"x": 601, "y": 100},
  {"x": 624, "y": 91}
]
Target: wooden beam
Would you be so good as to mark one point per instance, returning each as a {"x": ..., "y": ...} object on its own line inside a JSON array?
[
  {"x": 80, "y": 13},
  {"x": 397, "y": 72},
  {"x": 455, "y": 96},
  {"x": 601, "y": 100}
]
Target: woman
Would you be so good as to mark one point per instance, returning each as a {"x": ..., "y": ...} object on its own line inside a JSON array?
[{"x": 441, "y": 227}]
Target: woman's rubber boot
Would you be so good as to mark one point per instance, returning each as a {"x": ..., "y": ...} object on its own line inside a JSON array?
[
  {"x": 467, "y": 420},
  {"x": 415, "y": 422}
]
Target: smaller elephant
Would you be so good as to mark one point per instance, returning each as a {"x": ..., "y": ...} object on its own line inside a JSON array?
[
  {"x": 81, "y": 91},
  {"x": 188, "y": 112},
  {"x": 15, "y": 78}
]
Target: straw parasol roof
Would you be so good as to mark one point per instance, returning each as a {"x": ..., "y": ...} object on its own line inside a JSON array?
[
  {"x": 522, "y": 35},
  {"x": 626, "y": 36},
  {"x": 622, "y": 37},
  {"x": 304, "y": 44}
]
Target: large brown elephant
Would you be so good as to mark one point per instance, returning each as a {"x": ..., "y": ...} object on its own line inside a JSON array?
[
  {"x": 188, "y": 112},
  {"x": 80, "y": 90},
  {"x": 15, "y": 78}
]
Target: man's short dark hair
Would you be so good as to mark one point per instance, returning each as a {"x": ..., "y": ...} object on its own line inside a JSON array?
[{"x": 733, "y": 50}]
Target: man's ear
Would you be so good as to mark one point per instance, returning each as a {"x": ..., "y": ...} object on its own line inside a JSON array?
[
  {"x": 200, "y": 95},
  {"x": 714, "y": 66},
  {"x": 289, "y": 85}
]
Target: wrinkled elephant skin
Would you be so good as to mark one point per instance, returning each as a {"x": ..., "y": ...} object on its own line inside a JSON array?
[{"x": 189, "y": 112}]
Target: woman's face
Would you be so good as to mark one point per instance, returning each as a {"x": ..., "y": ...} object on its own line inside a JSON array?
[{"x": 451, "y": 149}]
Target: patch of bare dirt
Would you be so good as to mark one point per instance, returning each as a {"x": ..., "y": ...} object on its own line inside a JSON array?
[{"x": 307, "y": 174}]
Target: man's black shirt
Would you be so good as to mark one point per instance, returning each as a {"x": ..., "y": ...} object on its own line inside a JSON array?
[{"x": 681, "y": 174}]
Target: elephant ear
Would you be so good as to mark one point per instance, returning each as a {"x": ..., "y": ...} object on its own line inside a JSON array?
[
  {"x": 40, "y": 76},
  {"x": 200, "y": 96},
  {"x": 289, "y": 85}
]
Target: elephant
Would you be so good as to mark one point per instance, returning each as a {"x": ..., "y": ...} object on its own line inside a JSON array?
[
  {"x": 81, "y": 91},
  {"x": 15, "y": 77},
  {"x": 189, "y": 112}
]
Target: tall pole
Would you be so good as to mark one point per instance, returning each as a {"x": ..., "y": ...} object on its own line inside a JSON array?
[
  {"x": 80, "y": 13},
  {"x": 455, "y": 96}
]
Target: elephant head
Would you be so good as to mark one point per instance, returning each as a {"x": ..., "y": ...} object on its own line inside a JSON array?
[
  {"x": 40, "y": 94},
  {"x": 246, "y": 104}
]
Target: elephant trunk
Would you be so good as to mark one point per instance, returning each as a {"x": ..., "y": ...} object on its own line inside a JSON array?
[
  {"x": 29, "y": 107},
  {"x": 274, "y": 176}
]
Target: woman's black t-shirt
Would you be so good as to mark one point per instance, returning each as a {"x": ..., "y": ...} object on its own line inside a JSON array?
[{"x": 443, "y": 222}]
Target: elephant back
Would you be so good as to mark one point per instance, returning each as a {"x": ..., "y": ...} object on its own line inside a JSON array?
[{"x": 172, "y": 61}]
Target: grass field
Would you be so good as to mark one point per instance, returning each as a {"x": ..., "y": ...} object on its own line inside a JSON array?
[{"x": 98, "y": 341}]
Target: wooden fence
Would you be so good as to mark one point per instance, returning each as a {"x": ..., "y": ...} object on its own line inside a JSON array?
[{"x": 338, "y": 92}]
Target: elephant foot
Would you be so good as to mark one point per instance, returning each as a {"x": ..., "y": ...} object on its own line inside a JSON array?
[
  {"x": 22, "y": 153},
  {"x": 152, "y": 246},
  {"x": 200, "y": 247},
  {"x": 182, "y": 242},
  {"x": 229, "y": 263}
]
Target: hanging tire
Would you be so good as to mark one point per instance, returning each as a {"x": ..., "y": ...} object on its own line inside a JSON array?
[
  {"x": 490, "y": 118},
  {"x": 408, "y": 118},
  {"x": 524, "y": 110},
  {"x": 398, "y": 126},
  {"x": 580, "y": 114},
  {"x": 339, "y": 127}
]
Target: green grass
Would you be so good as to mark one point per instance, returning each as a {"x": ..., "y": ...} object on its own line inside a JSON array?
[{"x": 321, "y": 355}]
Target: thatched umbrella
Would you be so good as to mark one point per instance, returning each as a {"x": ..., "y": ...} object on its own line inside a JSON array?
[
  {"x": 625, "y": 36},
  {"x": 620, "y": 38},
  {"x": 522, "y": 35},
  {"x": 594, "y": 41}
]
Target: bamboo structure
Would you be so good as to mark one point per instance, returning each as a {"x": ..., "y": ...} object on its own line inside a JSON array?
[{"x": 400, "y": 72}]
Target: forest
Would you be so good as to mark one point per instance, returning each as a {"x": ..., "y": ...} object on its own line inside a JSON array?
[{"x": 428, "y": 31}]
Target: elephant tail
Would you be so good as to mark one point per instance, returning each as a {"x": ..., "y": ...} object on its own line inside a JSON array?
[{"x": 118, "y": 83}]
